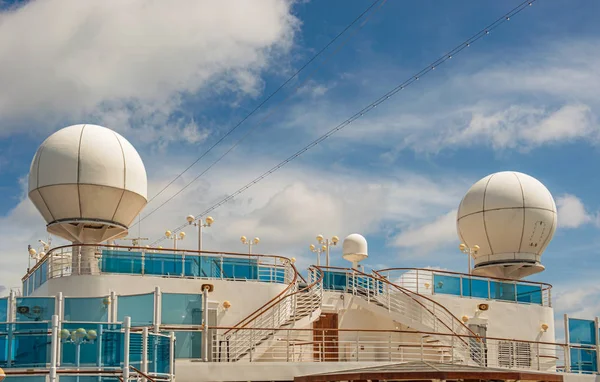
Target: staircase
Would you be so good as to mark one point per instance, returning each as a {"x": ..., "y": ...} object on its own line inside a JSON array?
[
  {"x": 249, "y": 339},
  {"x": 420, "y": 313}
]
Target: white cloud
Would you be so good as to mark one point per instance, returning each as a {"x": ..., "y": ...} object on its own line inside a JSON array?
[
  {"x": 429, "y": 236},
  {"x": 481, "y": 104},
  {"x": 571, "y": 212},
  {"x": 128, "y": 63},
  {"x": 286, "y": 210}
]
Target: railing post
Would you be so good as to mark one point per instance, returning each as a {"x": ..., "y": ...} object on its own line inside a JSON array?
[
  {"x": 567, "y": 347},
  {"x": 537, "y": 351},
  {"x": 390, "y": 347},
  {"x": 597, "y": 335},
  {"x": 287, "y": 350},
  {"x": 144, "y": 351},
  {"x": 251, "y": 343},
  {"x": 53, "y": 348},
  {"x": 112, "y": 310},
  {"x": 157, "y": 318},
  {"x": 126, "y": 342},
  {"x": 172, "y": 355},
  {"x": 11, "y": 318},
  {"x": 205, "y": 339},
  {"x": 422, "y": 348},
  {"x": 357, "y": 344}
]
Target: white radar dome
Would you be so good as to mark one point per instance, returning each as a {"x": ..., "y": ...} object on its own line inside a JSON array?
[
  {"x": 88, "y": 182},
  {"x": 354, "y": 249},
  {"x": 512, "y": 218}
]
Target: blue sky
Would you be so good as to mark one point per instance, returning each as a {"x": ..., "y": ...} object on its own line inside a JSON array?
[{"x": 523, "y": 98}]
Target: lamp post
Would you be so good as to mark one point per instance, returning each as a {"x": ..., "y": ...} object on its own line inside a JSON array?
[
  {"x": 175, "y": 237},
  {"x": 198, "y": 223},
  {"x": 318, "y": 251},
  {"x": 78, "y": 337},
  {"x": 249, "y": 243},
  {"x": 326, "y": 244},
  {"x": 469, "y": 251}
]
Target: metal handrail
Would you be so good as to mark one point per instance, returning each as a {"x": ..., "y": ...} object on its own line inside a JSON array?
[{"x": 146, "y": 249}]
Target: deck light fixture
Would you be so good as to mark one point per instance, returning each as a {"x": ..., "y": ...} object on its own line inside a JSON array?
[{"x": 191, "y": 219}]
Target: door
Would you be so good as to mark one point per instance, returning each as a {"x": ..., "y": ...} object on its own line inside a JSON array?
[{"x": 325, "y": 340}]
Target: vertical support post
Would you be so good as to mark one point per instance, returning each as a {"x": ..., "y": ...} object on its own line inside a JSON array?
[
  {"x": 597, "y": 335},
  {"x": 53, "y": 348},
  {"x": 172, "y": 355},
  {"x": 356, "y": 341},
  {"x": 205, "y": 339},
  {"x": 327, "y": 252},
  {"x": 417, "y": 281},
  {"x": 200, "y": 235},
  {"x": 11, "y": 318},
  {"x": 157, "y": 318},
  {"x": 144, "y": 352},
  {"x": 287, "y": 349},
  {"x": 126, "y": 334},
  {"x": 537, "y": 351},
  {"x": 60, "y": 311},
  {"x": 99, "y": 340},
  {"x": 567, "y": 347}
]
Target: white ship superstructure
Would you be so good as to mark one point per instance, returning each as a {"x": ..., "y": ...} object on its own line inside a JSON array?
[{"x": 92, "y": 310}]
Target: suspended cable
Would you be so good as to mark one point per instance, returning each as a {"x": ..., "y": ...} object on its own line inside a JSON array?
[
  {"x": 268, "y": 98},
  {"x": 415, "y": 77}
]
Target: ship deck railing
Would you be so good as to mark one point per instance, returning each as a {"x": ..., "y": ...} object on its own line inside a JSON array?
[
  {"x": 163, "y": 262},
  {"x": 71, "y": 350},
  {"x": 438, "y": 282},
  {"x": 364, "y": 345}
]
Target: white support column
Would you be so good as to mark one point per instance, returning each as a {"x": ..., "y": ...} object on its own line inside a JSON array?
[
  {"x": 157, "y": 304},
  {"x": 10, "y": 318},
  {"x": 127, "y": 332},
  {"x": 144, "y": 352},
  {"x": 567, "y": 343},
  {"x": 60, "y": 312},
  {"x": 596, "y": 327},
  {"x": 53, "y": 348},
  {"x": 205, "y": 339},
  {"x": 172, "y": 355}
]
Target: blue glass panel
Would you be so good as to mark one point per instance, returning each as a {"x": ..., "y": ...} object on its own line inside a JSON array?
[
  {"x": 158, "y": 354},
  {"x": 181, "y": 309},
  {"x": 37, "y": 278},
  {"x": 105, "y": 349},
  {"x": 85, "y": 378},
  {"x": 189, "y": 344},
  {"x": 25, "y": 285},
  {"x": 28, "y": 378},
  {"x": 335, "y": 280},
  {"x": 43, "y": 272},
  {"x": 30, "y": 286},
  {"x": 162, "y": 264},
  {"x": 3, "y": 309},
  {"x": 444, "y": 284},
  {"x": 237, "y": 268},
  {"x": 583, "y": 360},
  {"x": 30, "y": 345},
  {"x": 192, "y": 266},
  {"x": 135, "y": 349},
  {"x": 528, "y": 293},
  {"x": 504, "y": 291},
  {"x": 94, "y": 309},
  {"x": 35, "y": 308},
  {"x": 121, "y": 262},
  {"x": 475, "y": 288},
  {"x": 140, "y": 308},
  {"x": 582, "y": 332}
]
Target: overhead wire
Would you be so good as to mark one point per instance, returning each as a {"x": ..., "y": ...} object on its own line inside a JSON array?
[
  {"x": 340, "y": 34},
  {"x": 413, "y": 78}
]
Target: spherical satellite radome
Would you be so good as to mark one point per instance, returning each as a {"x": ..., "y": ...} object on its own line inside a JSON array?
[
  {"x": 88, "y": 182},
  {"x": 511, "y": 217},
  {"x": 355, "y": 249}
]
